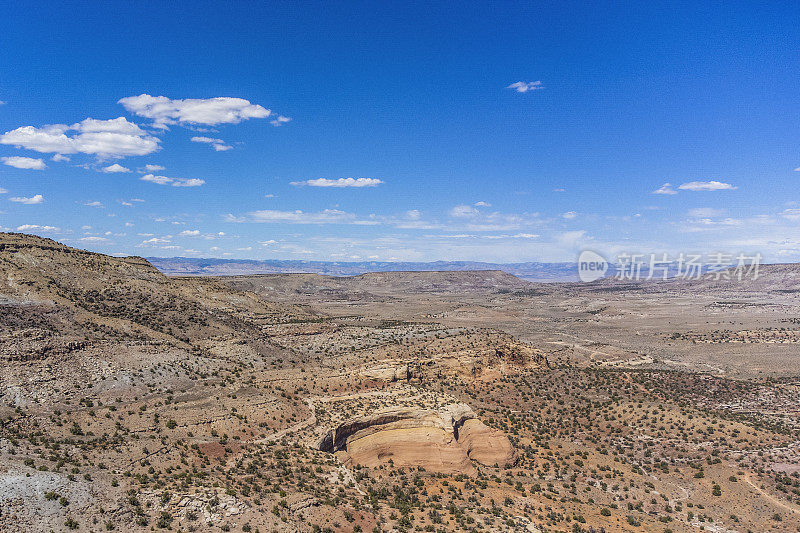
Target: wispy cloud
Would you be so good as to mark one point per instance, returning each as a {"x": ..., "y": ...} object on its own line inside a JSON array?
[
  {"x": 196, "y": 233},
  {"x": 467, "y": 217},
  {"x": 280, "y": 120},
  {"x": 526, "y": 86},
  {"x": 706, "y": 186},
  {"x": 705, "y": 212},
  {"x": 665, "y": 189},
  {"x": 327, "y": 216},
  {"x": 217, "y": 144},
  {"x": 95, "y": 239},
  {"x": 175, "y": 182},
  {"x": 488, "y": 237},
  {"x": 792, "y": 214},
  {"x": 341, "y": 182},
  {"x": 463, "y": 211}
]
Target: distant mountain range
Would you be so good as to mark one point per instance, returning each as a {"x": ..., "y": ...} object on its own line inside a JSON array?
[
  {"x": 536, "y": 272},
  {"x": 184, "y": 266}
]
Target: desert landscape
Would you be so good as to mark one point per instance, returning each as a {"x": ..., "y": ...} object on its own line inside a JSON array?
[
  {"x": 392, "y": 401},
  {"x": 399, "y": 267}
]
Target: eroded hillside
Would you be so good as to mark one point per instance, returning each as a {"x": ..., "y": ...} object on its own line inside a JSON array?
[{"x": 390, "y": 402}]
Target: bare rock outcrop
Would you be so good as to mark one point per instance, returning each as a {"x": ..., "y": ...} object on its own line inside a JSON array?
[
  {"x": 443, "y": 440},
  {"x": 521, "y": 355},
  {"x": 388, "y": 370}
]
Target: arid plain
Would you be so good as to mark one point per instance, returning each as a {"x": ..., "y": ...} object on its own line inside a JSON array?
[{"x": 403, "y": 401}]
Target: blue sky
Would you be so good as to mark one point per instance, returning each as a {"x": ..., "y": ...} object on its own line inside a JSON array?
[{"x": 402, "y": 131}]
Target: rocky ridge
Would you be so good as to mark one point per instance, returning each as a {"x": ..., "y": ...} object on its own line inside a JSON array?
[{"x": 442, "y": 440}]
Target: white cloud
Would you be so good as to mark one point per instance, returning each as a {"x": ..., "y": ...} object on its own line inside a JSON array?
[
  {"x": 665, "y": 189},
  {"x": 28, "y": 163},
  {"x": 465, "y": 218},
  {"x": 464, "y": 211},
  {"x": 476, "y": 220},
  {"x": 218, "y": 144},
  {"x": 705, "y": 212},
  {"x": 569, "y": 215},
  {"x": 571, "y": 239},
  {"x": 175, "y": 182},
  {"x": 706, "y": 186},
  {"x": 115, "y": 168},
  {"x": 207, "y": 111},
  {"x": 525, "y": 86},
  {"x": 153, "y": 168},
  {"x": 341, "y": 182},
  {"x": 482, "y": 204},
  {"x": 792, "y": 214},
  {"x": 327, "y": 216},
  {"x": 559, "y": 189},
  {"x": 702, "y": 224},
  {"x": 94, "y": 239},
  {"x": 158, "y": 180},
  {"x": 115, "y": 125},
  {"x": 46, "y": 139},
  {"x": 60, "y": 158},
  {"x": 37, "y": 227},
  {"x": 279, "y": 121},
  {"x": 190, "y": 233},
  {"x": 103, "y": 138},
  {"x": 3, "y": 191},
  {"x": 190, "y": 182},
  {"x": 93, "y": 204},
  {"x": 489, "y": 237},
  {"x": 156, "y": 240},
  {"x": 35, "y": 199},
  {"x": 270, "y": 196}
]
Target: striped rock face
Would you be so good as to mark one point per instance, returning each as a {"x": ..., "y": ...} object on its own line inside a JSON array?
[{"x": 447, "y": 440}]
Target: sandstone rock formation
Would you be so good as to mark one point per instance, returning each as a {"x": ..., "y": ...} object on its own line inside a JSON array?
[
  {"x": 443, "y": 440},
  {"x": 388, "y": 370},
  {"x": 521, "y": 355}
]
